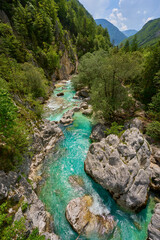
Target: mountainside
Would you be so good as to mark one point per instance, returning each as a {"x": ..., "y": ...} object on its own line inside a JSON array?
[
  {"x": 148, "y": 35},
  {"x": 40, "y": 41},
  {"x": 116, "y": 35},
  {"x": 130, "y": 32}
]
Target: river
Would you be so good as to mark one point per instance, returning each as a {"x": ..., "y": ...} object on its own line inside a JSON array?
[{"x": 67, "y": 159}]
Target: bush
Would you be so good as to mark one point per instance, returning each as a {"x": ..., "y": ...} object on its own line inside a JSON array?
[
  {"x": 13, "y": 133},
  {"x": 153, "y": 130},
  {"x": 155, "y": 104},
  {"x": 35, "y": 80},
  {"x": 114, "y": 129}
]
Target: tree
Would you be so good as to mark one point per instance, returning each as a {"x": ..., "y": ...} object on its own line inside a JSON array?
[
  {"x": 104, "y": 74},
  {"x": 8, "y": 113},
  {"x": 134, "y": 44},
  {"x": 126, "y": 46}
]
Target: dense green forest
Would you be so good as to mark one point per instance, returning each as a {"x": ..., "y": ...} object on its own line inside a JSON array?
[
  {"x": 33, "y": 38},
  {"x": 149, "y": 35},
  {"x": 121, "y": 77}
]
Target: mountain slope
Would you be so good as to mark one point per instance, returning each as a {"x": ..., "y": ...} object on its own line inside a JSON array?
[
  {"x": 130, "y": 32},
  {"x": 149, "y": 35},
  {"x": 116, "y": 35}
]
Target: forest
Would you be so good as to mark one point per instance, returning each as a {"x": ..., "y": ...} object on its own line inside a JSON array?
[{"x": 33, "y": 37}]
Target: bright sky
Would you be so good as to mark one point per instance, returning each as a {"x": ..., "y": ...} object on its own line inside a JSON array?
[{"x": 124, "y": 14}]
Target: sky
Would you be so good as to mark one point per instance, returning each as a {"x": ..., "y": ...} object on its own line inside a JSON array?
[{"x": 124, "y": 14}]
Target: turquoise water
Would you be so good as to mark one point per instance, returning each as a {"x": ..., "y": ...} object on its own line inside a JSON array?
[{"x": 67, "y": 159}]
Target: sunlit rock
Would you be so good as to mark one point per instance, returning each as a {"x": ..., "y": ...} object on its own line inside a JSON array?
[
  {"x": 84, "y": 221},
  {"x": 122, "y": 166}
]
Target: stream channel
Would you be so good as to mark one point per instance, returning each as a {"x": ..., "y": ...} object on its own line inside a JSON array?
[{"x": 67, "y": 159}]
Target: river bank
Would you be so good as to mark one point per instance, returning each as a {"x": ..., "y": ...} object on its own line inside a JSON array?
[{"x": 64, "y": 167}]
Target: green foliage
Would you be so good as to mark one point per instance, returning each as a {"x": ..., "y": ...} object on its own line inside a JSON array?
[
  {"x": 34, "y": 80},
  {"x": 8, "y": 229},
  {"x": 15, "y": 230},
  {"x": 126, "y": 46},
  {"x": 13, "y": 134},
  {"x": 134, "y": 44},
  {"x": 155, "y": 104},
  {"x": 150, "y": 74},
  {"x": 8, "y": 113},
  {"x": 35, "y": 235},
  {"x": 148, "y": 35},
  {"x": 104, "y": 74},
  {"x": 52, "y": 59},
  {"x": 153, "y": 130},
  {"x": 114, "y": 129},
  {"x": 24, "y": 206}
]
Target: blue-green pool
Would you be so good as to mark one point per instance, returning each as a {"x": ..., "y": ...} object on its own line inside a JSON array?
[{"x": 67, "y": 159}]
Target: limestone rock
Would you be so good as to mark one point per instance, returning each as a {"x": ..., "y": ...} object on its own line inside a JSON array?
[
  {"x": 84, "y": 105},
  {"x": 60, "y": 94},
  {"x": 88, "y": 112},
  {"x": 136, "y": 122},
  {"x": 67, "y": 117},
  {"x": 98, "y": 132},
  {"x": 6, "y": 181},
  {"x": 155, "y": 182},
  {"x": 84, "y": 93},
  {"x": 156, "y": 153},
  {"x": 122, "y": 166},
  {"x": 83, "y": 221},
  {"x": 154, "y": 226},
  {"x": 50, "y": 236},
  {"x": 44, "y": 140},
  {"x": 76, "y": 182}
]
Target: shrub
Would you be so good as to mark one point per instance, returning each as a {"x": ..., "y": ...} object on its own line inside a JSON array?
[
  {"x": 153, "y": 130},
  {"x": 114, "y": 129},
  {"x": 155, "y": 104}
]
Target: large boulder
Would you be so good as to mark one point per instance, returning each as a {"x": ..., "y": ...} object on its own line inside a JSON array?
[
  {"x": 122, "y": 166},
  {"x": 84, "y": 93},
  {"x": 84, "y": 221},
  {"x": 136, "y": 122},
  {"x": 88, "y": 111},
  {"x": 98, "y": 132},
  {"x": 154, "y": 226},
  {"x": 67, "y": 117}
]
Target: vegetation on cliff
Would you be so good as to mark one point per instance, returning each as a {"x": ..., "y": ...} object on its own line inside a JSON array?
[
  {"x": 149, "y": 35},
  {"x": 118, "y": 78},
  {"x": 34, "y": 35}
]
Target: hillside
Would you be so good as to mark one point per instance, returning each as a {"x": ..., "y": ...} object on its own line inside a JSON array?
[
  {"x": 40, "y": 42},
  {"x": 149, "y": 35},
  {"x": 130, "y": 32},
  {"x": 116, "y": 35}
]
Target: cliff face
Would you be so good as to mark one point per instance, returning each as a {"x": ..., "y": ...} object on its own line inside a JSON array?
[{"x": 67, "y": 66}]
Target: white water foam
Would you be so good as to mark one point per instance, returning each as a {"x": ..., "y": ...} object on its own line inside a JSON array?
[{"x": 98, "y": 208}]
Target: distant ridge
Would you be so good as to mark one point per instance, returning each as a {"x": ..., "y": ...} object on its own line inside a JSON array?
[
  {"x": 149, "y": 34},
  {"x": 129, "y": 32},
  {"x": 116, "y": 35}
]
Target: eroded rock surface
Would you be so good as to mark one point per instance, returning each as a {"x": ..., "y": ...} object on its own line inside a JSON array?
[
  {"x": 21, "y": 194},
  {"x": 98, "y": 132},
  {"x": 122, "y": 166},
  {"x": 83, "y": 221},
  {"x": 154, "y": 226},
  {"x": 155, "y": 182},
  {"x": 45, "y": 139}
]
